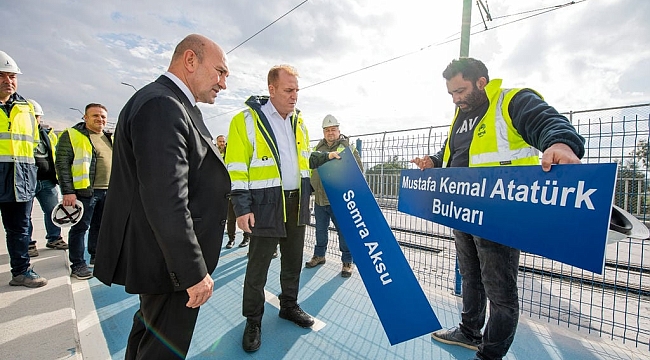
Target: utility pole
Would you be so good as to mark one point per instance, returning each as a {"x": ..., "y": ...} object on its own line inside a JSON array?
[
  {"x": 464, "y": 52},
  {"x": 465, "y": 28}
]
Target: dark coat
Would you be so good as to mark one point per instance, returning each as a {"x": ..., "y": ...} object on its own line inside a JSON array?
[{"x": 166, "y": 208}]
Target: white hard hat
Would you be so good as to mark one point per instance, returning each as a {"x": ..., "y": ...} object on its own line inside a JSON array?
[
  {"x": 65, "y": 216},
  {"x": 38, "y": 110},
  {"x": 7, "y": 64},
  {"x": 330, "y": 121}
]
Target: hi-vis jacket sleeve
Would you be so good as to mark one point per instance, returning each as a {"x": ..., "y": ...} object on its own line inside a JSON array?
[{"x": 238, "y": 158}]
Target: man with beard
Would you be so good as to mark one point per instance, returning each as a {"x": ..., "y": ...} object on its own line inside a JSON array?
[{"x": 495, "y": 127}]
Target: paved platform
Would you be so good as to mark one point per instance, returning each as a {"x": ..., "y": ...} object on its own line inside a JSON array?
[{"x": 76, "y": 319}]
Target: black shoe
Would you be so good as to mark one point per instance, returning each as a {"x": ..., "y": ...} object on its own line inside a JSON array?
[
  {"x": 92, "y": 260},
  {"x": 81, "y": 273},
  {"x": 230, "y": 244},
  {"x": 455, "y": 336},
  {"x": 275, "y": 254},
  {"x": 297, "y": 316},
  {"x": 244, "y": 242},
  {"x": 252, "y": 339}
]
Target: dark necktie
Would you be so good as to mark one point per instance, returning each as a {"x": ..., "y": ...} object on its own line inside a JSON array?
[
  {"x": 200, "y": 124},
  {"x": 198, "y": 112}
]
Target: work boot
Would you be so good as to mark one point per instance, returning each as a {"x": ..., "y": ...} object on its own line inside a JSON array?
[
  {"x": 315, "y": 261},
  {"x": 29, "y": 278},
  {"x": 57, "y": 244},
  {"x": 32, "y": 251},
  {"x": 346, "y": 271}
]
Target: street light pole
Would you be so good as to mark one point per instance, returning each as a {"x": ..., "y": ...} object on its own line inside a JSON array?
[
  {"x": 127, "y": 84},
  {"x": 80, "y": 112}
]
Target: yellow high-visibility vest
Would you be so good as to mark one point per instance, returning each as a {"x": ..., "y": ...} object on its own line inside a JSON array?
[
  {"x": 496, "y": 142},
  {"x": 18, "y": 134},
  {"x": 83, "y": 154},
  {"x": 53, "y": 141},
  {"x": 251, "y": 156}
]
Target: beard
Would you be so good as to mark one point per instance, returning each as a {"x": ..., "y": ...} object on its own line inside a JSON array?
[{"x": 473, "y": 100}]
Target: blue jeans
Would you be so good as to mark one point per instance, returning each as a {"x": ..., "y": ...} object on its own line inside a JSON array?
[
  {"x": 78, "y": 231},
  {"x": 489, "y": 271},
  {"x": 15, "y": 218},
  {"x": 96, "y": 222},
  {"x": 47, "y": 196},
  {"x": 323, "y": 215}
]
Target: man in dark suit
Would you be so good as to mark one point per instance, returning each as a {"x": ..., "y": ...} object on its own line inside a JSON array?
[{"x": 166, "y": 208}]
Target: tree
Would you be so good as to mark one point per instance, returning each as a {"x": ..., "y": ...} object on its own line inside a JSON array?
[
  {"x": 631, "y": 184},
  {"x": 384, "y": 179},
  {"x": 642, "y": 152},
  {"x": 392, "y": 166}
]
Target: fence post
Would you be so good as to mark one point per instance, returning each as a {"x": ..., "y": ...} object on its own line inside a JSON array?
[
  {"x": 359, "y": 144},
  {"x": 381, "y": 174}
]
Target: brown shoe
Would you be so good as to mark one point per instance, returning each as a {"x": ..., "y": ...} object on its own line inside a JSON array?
[
  {"x": 58, "y": 244},
  {"x": 346, "y": 272},
  {"x": 29, "y": 279},
  {"x": 315, "y": 261},
  {"x": 32, "y": 251}
]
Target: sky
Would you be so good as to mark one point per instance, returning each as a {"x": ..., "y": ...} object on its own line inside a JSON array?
[{"x": 589, "y": 55}]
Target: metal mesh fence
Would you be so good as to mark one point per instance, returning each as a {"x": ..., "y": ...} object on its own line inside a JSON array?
[{"x": 615, "y": 304}]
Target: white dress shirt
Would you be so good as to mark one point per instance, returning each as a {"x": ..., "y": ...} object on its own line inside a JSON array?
[
  {"x": 286, "y": 143},
  {"x": 181, "y": 85}
]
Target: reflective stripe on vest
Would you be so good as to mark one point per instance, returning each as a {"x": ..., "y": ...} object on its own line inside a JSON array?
[
  {"x": 18, "y": 134},
  {"x": 53, "y": 141},
  {"x": 83, "y": 154},
  {"x": 261, "y": 170}
]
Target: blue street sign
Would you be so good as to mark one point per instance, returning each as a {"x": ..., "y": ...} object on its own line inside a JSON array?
[
  {"x": 562, "y": 214},
  {"x": 402, "y": 306}
]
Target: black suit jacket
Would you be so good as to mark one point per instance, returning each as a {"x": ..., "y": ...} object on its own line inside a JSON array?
[{"x": 166, "y": 205}]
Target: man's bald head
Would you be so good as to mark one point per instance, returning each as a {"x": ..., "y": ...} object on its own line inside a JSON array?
[{"x": 201, "y": 65}]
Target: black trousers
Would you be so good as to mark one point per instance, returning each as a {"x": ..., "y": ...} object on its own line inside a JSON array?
[
  {"x": 260, "y": 253},
  {"x": 232, "y": 220},
  {"x": 162, "y": 327}
]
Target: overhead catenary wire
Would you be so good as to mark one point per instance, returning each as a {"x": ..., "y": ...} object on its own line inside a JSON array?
[
  {"x": 451, "y": 38},
  {"x": 543, "y": 11},
  {"x": 266, "y": 27}
]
